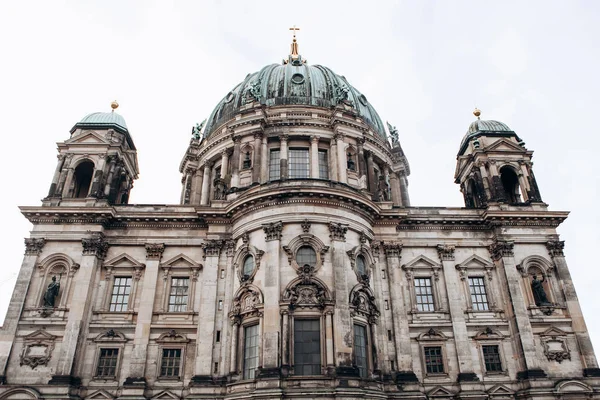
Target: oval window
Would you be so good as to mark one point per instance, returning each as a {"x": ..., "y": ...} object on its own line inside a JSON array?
[
  {"x": 361, "y": 266},
  {"x": 298, "y": 79},
  {"x": 306, "y": 255},
  {"x": 248, "y": 266}
]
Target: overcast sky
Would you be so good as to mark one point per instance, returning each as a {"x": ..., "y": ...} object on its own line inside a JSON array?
[{"x": 424, "y": 65}]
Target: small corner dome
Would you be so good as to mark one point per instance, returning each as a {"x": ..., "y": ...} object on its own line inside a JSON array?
[
  {"x": 102, "y": 120},
  {"x": 481, "y": 127}
]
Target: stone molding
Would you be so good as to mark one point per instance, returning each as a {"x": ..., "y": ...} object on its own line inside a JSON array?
[
  {"x": 446, "y": 252},
  {"x": 154, "y": 251},
  {"x": 502, "y": 248},
  {"x": 33, "y": 247},
  {"x": 95, "y": 246},
  {"x": 273, "y": 230},
  {"x": 555, "y": 248},
  {"x": 305, "y": 226}
]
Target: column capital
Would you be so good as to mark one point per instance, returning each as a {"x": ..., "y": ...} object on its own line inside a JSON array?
[
  {"x": 33, "y": 247},
  {"x": 392, "y": 249},
  {"x": 95, "y": 246},
  {"x": 446, "y": 252},
  {"x": 555, "y": 248},
  {"x": 314, "y": 139},
  {"x": 501, "y": 248},
  {"x": 284, "y": 138},
  {"x": 211, "y": 248},
  {"x": 236, "y": 139},
  {"x": 339, "y": 135},
  {"x": 207, "y": 164},
  {"x": 273, "y": 230},
  {"x": 337, "y": 231},
  {"x": 225, "y": 152},
  {"x": 154, "y": 251}
]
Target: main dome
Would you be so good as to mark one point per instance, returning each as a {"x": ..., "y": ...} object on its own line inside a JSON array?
[{"x": 294, "y": 83}]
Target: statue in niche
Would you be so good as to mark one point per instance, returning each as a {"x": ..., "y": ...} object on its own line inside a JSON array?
[
  {"x": 220, "y": 189},
  {"x": 51, "y": 293},
  {"x": 383, "y": 189},
  {"x": 351, "y": 163},
  {"x": 539, "y": 294},
  {"x": 247, "y": 163}
]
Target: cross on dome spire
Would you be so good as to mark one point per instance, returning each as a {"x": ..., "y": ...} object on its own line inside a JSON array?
[{"x": 294, "y": 49}]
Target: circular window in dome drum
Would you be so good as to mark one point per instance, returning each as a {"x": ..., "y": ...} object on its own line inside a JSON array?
[
  {"x": 363, "y": 99},
  {"x": 229, "y": 97},
  {"x": 298, "y": 79}
]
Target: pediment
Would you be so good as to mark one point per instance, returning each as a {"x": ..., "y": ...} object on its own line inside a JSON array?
[
  {"x": 40, "y": 334},
  {"x": 123, "y": 261},
  {"x": 166, "y": 395},
  {"x": 89, "y": 137},
  {"x": 504, "y": 145},
  {"x": 440, "y": 392},
  {"x": 488, "y": 334},
  {"x": 572, "y": 386},
  {"x": 432, "y": 335},
  {"x": 500, "y": 390},
  {"x": 421, "y": 262},
  {"x": 553, "y": 331},
  {"x": 475, "y": 261},
  {"x": 180, "y": 261},
  {"x": 172, "y": 336},
  {"x": 99, "y": 395},
  {"x": 111, "y": 336}
]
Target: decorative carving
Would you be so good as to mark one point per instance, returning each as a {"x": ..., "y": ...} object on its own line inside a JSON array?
[
  {"x": 253, "y": 92},
  {"x": 245, "y": 237},
  {"x": 362, "y": 303},
  {"x": 230, "y": 247},
  {"x": 273, "y": 230},
  {"x": 462, "y": 270},
  {"x": 154, "y": 251},
  {"x": 33, "y": 247},
  {"x": 197, "y": 130},
  {"x": 37, "y": 349},
  {"x": 338, "y": 231},
  {"x": 306, "y": 291},
  {"x": 363, "y": 238},
  {"x": 220, "y": 189},
  {"x": 247, "y": 303},
  {"x": 555, "y": 345},
  {"x": 392, "y": 249},
  {"x": 446, "y": 252},
  {"x": 211, "y": 248},
  {"x": 341, "y": 94},
  {"x": 393, "y": 135},
  {"x": 95, "y": 246},
  {"x": 555, "y": 248},
  {"x": 305, "y": 226},
  {"x": 501, "y": 248}
]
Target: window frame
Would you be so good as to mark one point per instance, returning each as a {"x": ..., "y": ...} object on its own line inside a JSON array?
[
  {"x": 433, "y": 302},
  {"x": 442, "y": 358},
  {"x": 488, "y": 306},
  {"x": 323, "y": 164},
  {"x": 110, "y": 339},
  {"x": 188, "y": 294},
  {"x": 162, "y": 350},
  {"x": 322, "y": 350},
  {"x": 250, "y": 324},
  {"x": 116, "y": 366},
  {"x": 368, "y": 353},
  {"x": 306, "y": 152},
  {"x": 500, "y": 361},
  {"x": 274, "y": 164},
  {"x": 433, "y": 338},
  {"x": 112, "y": 293},
  {"x": 171, "y": 340},
  {"x": 423, "y": 267}
]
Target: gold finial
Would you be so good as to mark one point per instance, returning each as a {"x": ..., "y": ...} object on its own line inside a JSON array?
[
  {"x": 477, "y": 112},
  {"x": 114, "y": 105},
  {"x": 294, "y": 50}
]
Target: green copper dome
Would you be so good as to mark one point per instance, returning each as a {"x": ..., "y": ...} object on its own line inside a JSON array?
[
  {"x": 102, "y": 120},
  {"x": 481, "y": 127},
  {"x": 294, "y": 83}
]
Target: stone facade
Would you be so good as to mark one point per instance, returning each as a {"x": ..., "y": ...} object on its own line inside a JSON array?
[{"x": 294, "y": 267}]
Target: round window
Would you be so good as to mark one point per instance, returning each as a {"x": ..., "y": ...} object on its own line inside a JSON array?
[
  {"x": 363, "y": 99},
  {"x": 306, "y": 255},
  {"x": 248, "y": 266},
  {"x": 298, "y": 79}
]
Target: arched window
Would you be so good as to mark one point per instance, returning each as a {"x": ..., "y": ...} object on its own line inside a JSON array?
[
  {"x": 83, "y": 179},
  {"x": 510, "y": 183},
  {"x": 306, "y": 255},
  {"x": 361, "y": 265},
  {"x": 248, "y": 266}
]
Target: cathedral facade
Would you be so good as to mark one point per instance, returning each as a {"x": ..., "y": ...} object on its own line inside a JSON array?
[{"x": 294, "y": 266}]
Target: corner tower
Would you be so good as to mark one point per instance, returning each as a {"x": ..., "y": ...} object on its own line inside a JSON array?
[
  {"x": 98, "y": 163},
  {"x": 494, "y": 166}
]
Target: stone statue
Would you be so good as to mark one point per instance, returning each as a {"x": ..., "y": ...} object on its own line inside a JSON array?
[
  {"x": 351, "y": 164},
  {"x": 539, "y": 294},
  {"x": 220, "y": 190},
  {"x": 393, "y": 135},
  {"x": 197, "y": 130},
  {"x": 247, "y": 163},
  {"x": 253, "y": 92},
  {"x": 51, "y": 293}
]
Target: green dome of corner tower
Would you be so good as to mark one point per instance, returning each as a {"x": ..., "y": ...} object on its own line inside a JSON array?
[{"x": 103, "y": 120}]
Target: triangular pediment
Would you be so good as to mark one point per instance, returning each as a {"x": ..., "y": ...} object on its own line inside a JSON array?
[
  {"x": 421, "y": 262},
  {"x": 100, "y": 395},
  {"x": 504, "y": 145},
  {"x": 123, "y": 260},
  {"x": 40, "y": 334},
  {"x": 440, "y": 392},
  {"x": 553, "y": 331},
  {"x": 500, "y": 390},
  {"x": 166, "y": 395},
  {"x": 87, "y": 138},
  {"x": 475, "y": 261},
  {"x": 181, "y": 261}
]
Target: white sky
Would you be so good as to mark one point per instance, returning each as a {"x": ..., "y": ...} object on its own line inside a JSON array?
[{"x": 424, "y": 65}]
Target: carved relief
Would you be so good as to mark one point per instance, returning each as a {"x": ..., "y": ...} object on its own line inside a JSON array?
[
  {"x": 338, "y": 231},
  {"x": 392, "y": 249},
  {"x": 273, "y": 230},
  {"x": 555, "y": 345},
  {"x": 33, "y": 247},
  {"x": 305, "y": 226},
  {"x": 96, "y": 246},
  {"x": 362, "y": 303},
  {"x": 306, "y": 292},
  {"x": 154, "y": 251},
  {"x": 501, "y": 248},
  {"x": 555, "y": 248},
  {"x": 446, "y": 252},
  {"x": 211, "y": 248},
  {"x": 37, "y": 349},
  {"x": 248, "y": 302}
]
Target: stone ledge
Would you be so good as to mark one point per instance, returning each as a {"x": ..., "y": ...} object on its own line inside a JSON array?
[
  {"x": 135, "y": 381},
  {"x": 537, "y": 373},
  {"x": 406, "y": 377},
  {"x": 467, "y": 377},
  {"x": 64, "y": 380}
]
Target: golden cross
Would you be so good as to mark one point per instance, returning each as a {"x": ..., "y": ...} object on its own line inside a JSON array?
[{"x": 294, "y": 29}]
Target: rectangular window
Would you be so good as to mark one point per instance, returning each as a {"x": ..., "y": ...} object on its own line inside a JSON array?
[
  {"x": 390, "y": 337},
  {"x": 424, "y": 294},
  {"x": 298, "y": 163},
  {"x": 218, "y": 337},
  {"x": 360, "y": 350},
  {"x": 307, "y": 347},
  {"x": 171, "y": 363},
  {"x": 433, "y": 360},
  {"x": 274, "y": 165},
  {"x": 478, "y": 294},
  {"x": 250, "y": 351},
  {"x": 178, "y": 298},
  {"x": 323, "y": 165},
  {"x": 491, "y": 357},
  {"x": 107, "y": 363},
  {"x": 120, "y": 294}
]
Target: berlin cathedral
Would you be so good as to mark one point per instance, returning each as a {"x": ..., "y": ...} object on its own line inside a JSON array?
[{"x": 294, "y": 265}]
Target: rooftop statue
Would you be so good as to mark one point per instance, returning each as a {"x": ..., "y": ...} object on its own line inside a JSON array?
[
  {"x": 393, "y": 135},
  {"x": 197, "y": 130}
]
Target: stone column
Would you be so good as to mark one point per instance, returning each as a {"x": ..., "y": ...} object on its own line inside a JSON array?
[
  {"x": 502, "y": 253},
  {"x": 33, "y": 248},
  {"x": 235, "y": 162},
  {"x": 588, "y": 359},
  {"x": 342, "y": 160},
  {"x": 207, "y": 312},
  {"x": 271, "y": 320},
  {"x": 224, "y": 163},
  {"x": 55, "y": 178},
  {"x": 187, "y": 187},
  {"x": 137, "y": 366},
  {"x": 283, "y": 156},
  {"x": 256, "y": 163},
  {"x": 404, "y": 191},
  {"x": 206, "y": 183},
  {"x": 371, "y": 173},
  {"x": 94, "y": 251},
  {"x": 395, "y": 189},
  {"x": 343, "y": 330},
  {"x": 329, "y": 342},
  {"x": 112, "y": 165},
  {"x": 233, "y": 367},
  {"x": 264, "y": 160},
  {"x": 457, "y": 311},
  {"x": 399, "y": 313},
  {"x": 96, "y": 189},
  {"x": 333, "y": 164},
  {"x": 198, "y": 182},
  {"x": 314, "y": 157},
  {"x": 68, "y": 190},
  {"x": 63, "y": 176},
  {"x": 285, "y": 339}
]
